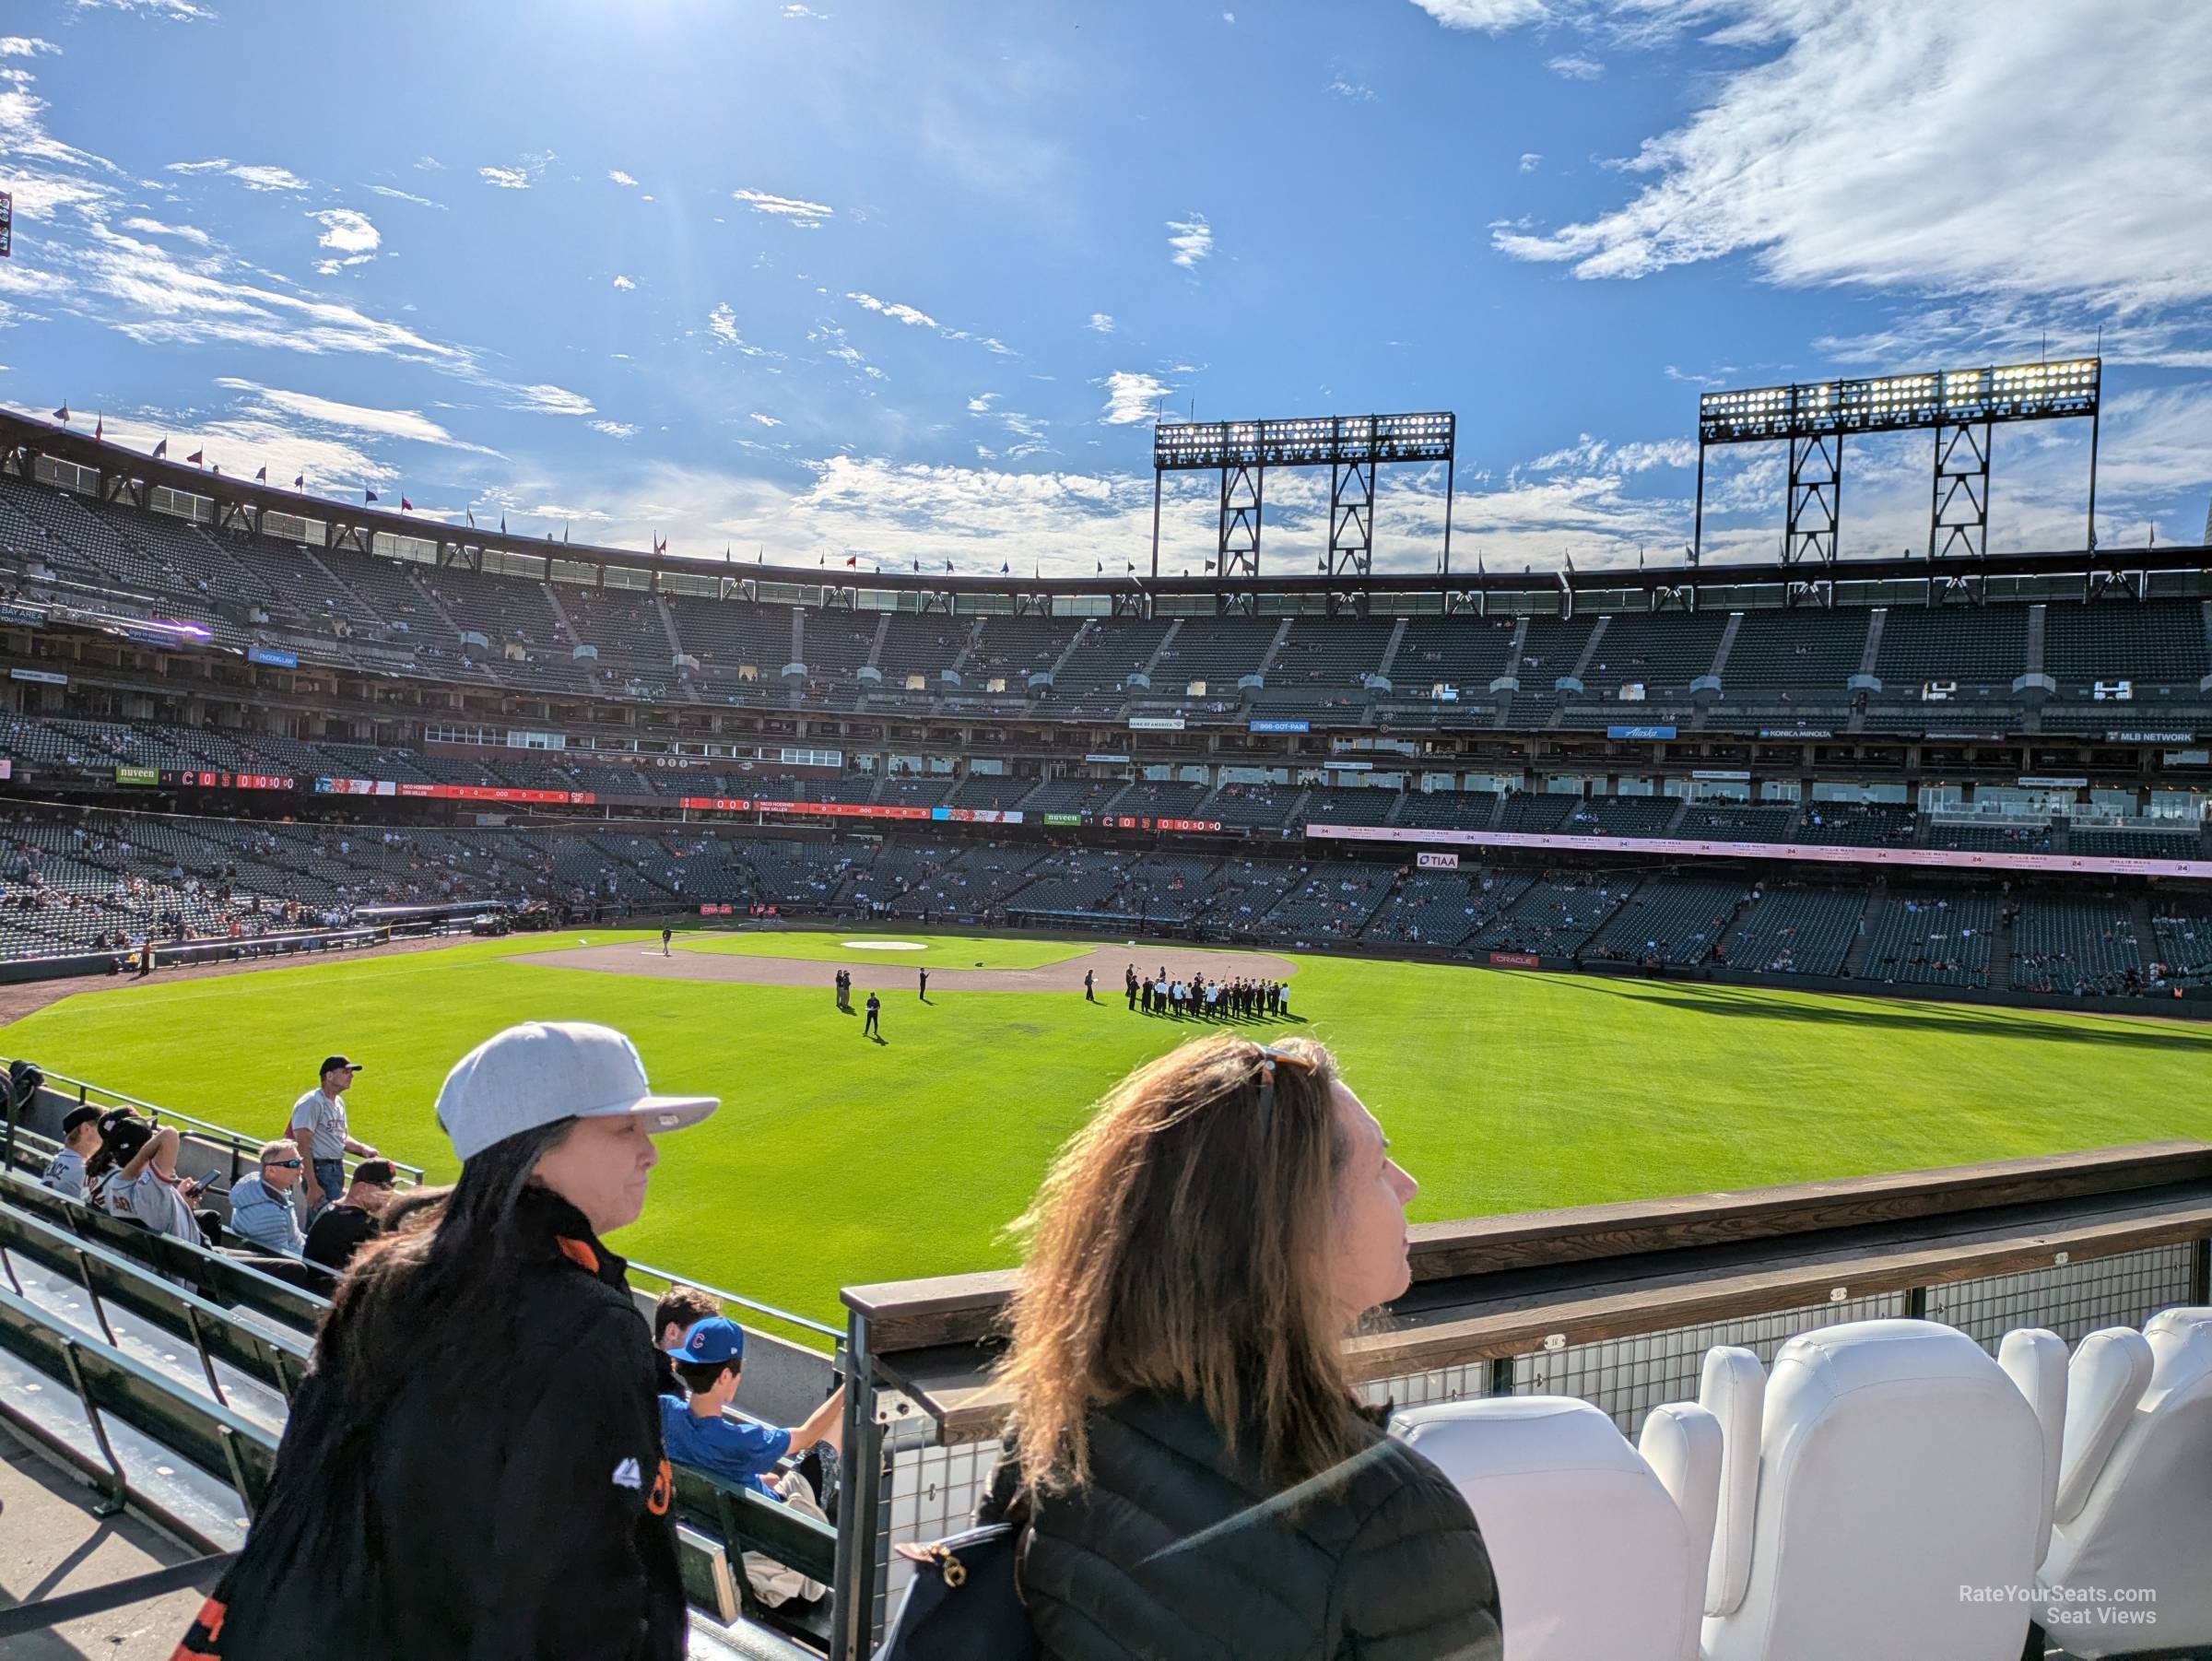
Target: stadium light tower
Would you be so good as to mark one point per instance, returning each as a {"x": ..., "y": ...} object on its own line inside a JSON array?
[
  {"x": 1351, "y": 447},
  {"x": 1960, "y": 406}
]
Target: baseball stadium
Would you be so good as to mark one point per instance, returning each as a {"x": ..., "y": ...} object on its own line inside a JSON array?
[{"x": 1781, "y": 971}]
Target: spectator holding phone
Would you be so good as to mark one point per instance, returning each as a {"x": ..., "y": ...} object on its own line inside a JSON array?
[{"x": 156, "y": 1196}]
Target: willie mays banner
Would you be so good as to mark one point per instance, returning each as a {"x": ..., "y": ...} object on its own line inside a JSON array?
[{"x": 1819, "y": 855}]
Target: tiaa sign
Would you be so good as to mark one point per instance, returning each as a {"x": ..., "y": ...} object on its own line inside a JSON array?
[{"x": 1437, "y": 862}]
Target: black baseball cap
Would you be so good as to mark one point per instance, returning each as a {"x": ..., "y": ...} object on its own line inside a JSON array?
[
  {"x": 77, "y": 1116},
  {"x": 331, "y": 1063}
]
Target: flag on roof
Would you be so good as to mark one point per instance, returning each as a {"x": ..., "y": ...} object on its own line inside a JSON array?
[
  {"x": 405, "y": 506},
  {"x": 262, "y": 477},
  {"x": 851, "y": 559},
  {"x": 99, "y": 428},
  {"x": 503, "y": 525},
  {"x": 1006, "y": 571},
  {"x": 300, "y": 481},
  {"x": 367, "y": 497},
  {"x": 472, "y": 517},
  {"x": 195, "y": 457},
  {"x": 161, "y": 450},
  {"x": 62, "y": 415}
]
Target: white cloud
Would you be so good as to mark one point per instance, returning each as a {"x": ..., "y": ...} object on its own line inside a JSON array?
[
  {"x": 404, "y": 195},
  {"x": 1491, "y": 16},
  {"x": 274, "y": 404},
  {"x": 428, "y": 164},
  {"x": 804, "y": 11},
  {"x": 176, "y": 11},
  {"x": 795, "y": 209},
  {"x": 1131, "y": 397},
  {"x": 154, "y": 227},
  {"x": 521, "y": 175},
  {"x": 1575, "y": 67},
  {"x": 1357, "y": 91},
  {"x": 347, "y": 231},
  {"x": 623, "y": 282},
  {"x": 981, "y": 404},
  {"x": 1192, "y": 240},
  {"x": 765, "y": 420},
  {"x": 252, "y": 175},
  {"x": 615, "y": 429},
  {"x": 902, "y": 313},
  {"x": 1981, "y": 145},
  {"x": 548, "y": 400},
  {"x": 621, "y": 177},
  {"x": 24, "y": 46},
  {"x": 1100, "y": 324},
  {"x": 1531, "y": 160},
  {"x": 722, "y": 322}
]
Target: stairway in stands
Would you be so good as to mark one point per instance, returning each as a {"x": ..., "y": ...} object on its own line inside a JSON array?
[{"x": 1856, "y": 959}]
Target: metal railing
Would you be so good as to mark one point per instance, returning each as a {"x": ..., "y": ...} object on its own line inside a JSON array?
[{"x": 244, "y": 1151}]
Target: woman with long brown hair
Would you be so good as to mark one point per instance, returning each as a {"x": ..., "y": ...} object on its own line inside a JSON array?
[{"x": 1196, "y": 1475}]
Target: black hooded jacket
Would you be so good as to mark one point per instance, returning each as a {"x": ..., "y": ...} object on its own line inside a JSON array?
[
  {"x": 1177, "y": 1551},
  {"x": 518, "y": 1512}
]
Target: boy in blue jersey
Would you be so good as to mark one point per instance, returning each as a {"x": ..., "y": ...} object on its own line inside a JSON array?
[{"x": 709, "y": 1361}]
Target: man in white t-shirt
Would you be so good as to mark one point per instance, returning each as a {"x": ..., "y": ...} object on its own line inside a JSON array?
[{"x": 318, "y": 1129}]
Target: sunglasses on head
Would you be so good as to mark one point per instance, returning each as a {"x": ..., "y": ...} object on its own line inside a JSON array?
[{"x": 1269, "y": 1056}]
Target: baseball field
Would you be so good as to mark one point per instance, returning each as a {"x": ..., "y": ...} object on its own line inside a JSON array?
[{"x": 837, "y": 1159}]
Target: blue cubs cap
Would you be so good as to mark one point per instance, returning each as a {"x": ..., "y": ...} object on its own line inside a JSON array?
[{"x": 712, "y": 1342}]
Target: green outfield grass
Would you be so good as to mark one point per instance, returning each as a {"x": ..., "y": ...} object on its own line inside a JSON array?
[
  {"x": 938, "y": 952},
  {"x": 834, "y": 1160}
]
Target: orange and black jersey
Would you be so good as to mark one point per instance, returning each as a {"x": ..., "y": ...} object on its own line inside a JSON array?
[{"x": 521, "y": 1515}]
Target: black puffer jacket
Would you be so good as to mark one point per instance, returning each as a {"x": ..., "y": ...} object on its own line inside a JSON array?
[{"x": 1175, "y": 1552}]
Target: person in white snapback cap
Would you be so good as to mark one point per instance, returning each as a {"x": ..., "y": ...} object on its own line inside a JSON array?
[{"x": 475, "y": 1464}]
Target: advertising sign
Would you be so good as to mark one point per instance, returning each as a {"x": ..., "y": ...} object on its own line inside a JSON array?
[
  {"x": 1639, "y": 732},
  {"x": 1515, "y": 959},
  {"x": 1155, "y": 723},
  {"x": 273, "y": 657},
  {"x": 1281, "y": 727},
  {"x": 138, "y": 776},
  {"x": 1429, "y": 861},
  {"x": 44, "y": 677}
]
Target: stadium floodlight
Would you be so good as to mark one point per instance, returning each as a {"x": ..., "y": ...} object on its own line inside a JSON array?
[
  {"x": 2019, "y": 391},
  {"x": 1350, "y": 446},
  {"x": 1959, "y": 405}
]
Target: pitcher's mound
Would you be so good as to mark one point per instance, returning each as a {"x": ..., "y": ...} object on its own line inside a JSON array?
[{"x": 883, "y": 945}]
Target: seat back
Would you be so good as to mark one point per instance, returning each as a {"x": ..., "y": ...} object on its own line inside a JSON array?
[
  {"x": 2128, "y": 1568},
  {"x": 1595, "y": 1561},
  {"x": 1897, "y": 1463},
  {"x": 2035, "y": 1360}
]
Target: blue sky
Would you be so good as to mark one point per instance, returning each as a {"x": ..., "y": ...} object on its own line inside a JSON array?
[{"x": 912, "y": 280}]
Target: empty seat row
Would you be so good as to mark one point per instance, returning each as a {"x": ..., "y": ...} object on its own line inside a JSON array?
[{"x": 1886, "y": 1489}]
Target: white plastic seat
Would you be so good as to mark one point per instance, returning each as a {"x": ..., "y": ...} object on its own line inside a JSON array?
[
  {"x": 1880, "y": 1468},
  {"x": 1600, "y": 1552},
  {"x": 2133, "y": 1513}
]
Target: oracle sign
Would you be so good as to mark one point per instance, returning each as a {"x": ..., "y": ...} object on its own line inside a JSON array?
[{"x": 1515, "y": 960}]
